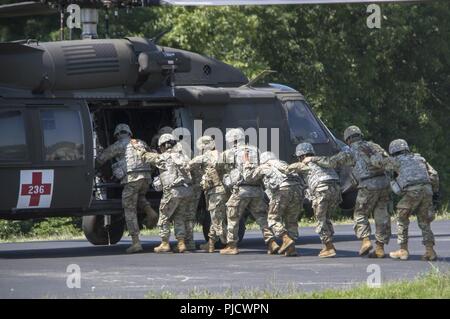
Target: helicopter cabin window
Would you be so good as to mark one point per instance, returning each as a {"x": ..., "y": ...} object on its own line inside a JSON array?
[
  {"x": 13, "y": 144},
  {"x": 63, "y": 137},
  {"x": 303, "y": 125}
]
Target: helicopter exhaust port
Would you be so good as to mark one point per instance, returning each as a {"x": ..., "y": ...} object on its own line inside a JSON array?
[{"x": 89, "y": 22}]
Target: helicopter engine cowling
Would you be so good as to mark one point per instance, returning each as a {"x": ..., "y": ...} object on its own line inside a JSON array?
[
  {"x": 70, "y": 65},
  {"x": 85, "y": 64}
]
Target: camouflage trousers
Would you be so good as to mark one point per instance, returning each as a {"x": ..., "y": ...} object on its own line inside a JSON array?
[
  {"x": 373, "y": 202},
  {"x": 191, "y": 213},
  {"x": 133, "y": 196},
  {"x": 416, "y": 200},
  {"x": 216, "y": 205},
  {"x": 325, "y": 199},
  {"x": 172, "y": 209},
  {"x": 236, "y": 207},
  {"x": 284, "y": 209}
]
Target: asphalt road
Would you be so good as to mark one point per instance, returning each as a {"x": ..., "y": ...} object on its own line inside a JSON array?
[{"x": 39, "y": 269}]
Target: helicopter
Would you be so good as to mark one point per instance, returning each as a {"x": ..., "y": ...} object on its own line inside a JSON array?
[{"x": 60, "y": 102}]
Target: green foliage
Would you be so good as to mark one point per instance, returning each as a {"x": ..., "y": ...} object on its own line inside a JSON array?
[{"x": 40, "y": 228}]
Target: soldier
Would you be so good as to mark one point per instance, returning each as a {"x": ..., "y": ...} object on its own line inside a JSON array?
[
  {"x": 191, "y": 212},
  {"x": 373, "y": 188},
  {"x": 135, "y": 175},
  {"x": 323, "y": 190},
  {"x": 155, "y": 138},
  {"x": 175, "y": 181},
  {"x": 244, "y": 194},
  {"x": 216, "y": 197},
  {"x": 415, "y": 182},
  {"x": 285, "y": 191}
]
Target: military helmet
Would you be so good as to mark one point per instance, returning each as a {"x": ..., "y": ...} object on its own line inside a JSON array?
[
  {"x": 267, "y": 156},
  {"x": 398, "y": 146},
  {"x": 165, "y": 130},
  {"x": 304, "y": 149},
  {"x": 235, "y": 134},
  {"x": 351, "y": 131},
  {"x": 166, "y": 138},
  {"x": 122, "y": 128},
  {"x": 205, "y": 143}
]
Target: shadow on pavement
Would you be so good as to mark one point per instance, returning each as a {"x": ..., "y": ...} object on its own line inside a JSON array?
[{"x": 252, "y": 245}]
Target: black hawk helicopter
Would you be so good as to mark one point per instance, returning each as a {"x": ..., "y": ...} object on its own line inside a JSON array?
[{"x": 60, "y": 102}]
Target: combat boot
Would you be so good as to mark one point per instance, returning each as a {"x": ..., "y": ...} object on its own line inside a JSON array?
[
  {"x": 208, "y": 246},
  {"x": 366, "y": 246},
  {"x": 230, "y": 249},
  {"x": 378, "y": 252},
  {"x": 135, "y": 246},
  {"x": 152, "y": 217},
  {"x": 272, "y": 247},
  {"x": 401, "y": 254},
  {"x": 181, "y": 246},
  {"x": 328, "y": 250},
  {"x": 164, "y": 247},
  {"x": 430, "y": 254},
  {"x": 287, "y": 242},
  {"x": 290, "y": 251}
]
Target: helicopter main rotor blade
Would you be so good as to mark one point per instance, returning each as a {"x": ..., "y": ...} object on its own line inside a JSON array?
[
  {"x": 27, "y": 8},
  {"x": 270, "y": 2}
]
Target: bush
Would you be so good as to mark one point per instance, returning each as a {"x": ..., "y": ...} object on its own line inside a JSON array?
[{"x": 59, "y": 226}]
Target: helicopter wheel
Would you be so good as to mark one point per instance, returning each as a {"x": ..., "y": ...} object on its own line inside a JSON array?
[{"x": 97, "y": 234}]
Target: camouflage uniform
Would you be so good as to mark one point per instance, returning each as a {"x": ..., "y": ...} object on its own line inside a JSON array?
[
  {"x": 134, "y": 174},
  {"x": 285, "y": 193},
  {"x": 244, "y": 194},
  {"x": 191, "y": 212},
  {"x": 177, "y": 190},
  {"x": 373, "y": 187},
  {"x": 215, "y": 193},
  {"x": 324, "y": 192},
  {"x": 416, "y": 179}
]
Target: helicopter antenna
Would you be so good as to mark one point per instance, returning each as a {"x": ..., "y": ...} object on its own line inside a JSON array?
[
  {"x": 107, "y": 23},
  {"x": 61, "y": 22},
  {"x": 260, "y": 76},
  {"x": 158, "y": 37}
]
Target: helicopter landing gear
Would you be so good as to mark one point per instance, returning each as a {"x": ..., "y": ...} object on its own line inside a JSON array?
[{"x": 103, "y": 229}]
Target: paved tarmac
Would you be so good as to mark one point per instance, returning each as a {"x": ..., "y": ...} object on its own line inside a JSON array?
[{"x": 39, "y": 269}]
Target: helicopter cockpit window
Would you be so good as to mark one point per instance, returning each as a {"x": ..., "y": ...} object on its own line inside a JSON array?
[
  {"x": 12, "y": 138},
  {"x": 63, "y": 137},
  {"x": 303, "y": 125}
]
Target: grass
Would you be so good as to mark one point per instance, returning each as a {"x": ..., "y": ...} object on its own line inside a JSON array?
[{"x": 432, "y": 285}]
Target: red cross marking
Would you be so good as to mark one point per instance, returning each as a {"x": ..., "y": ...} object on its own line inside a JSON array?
[{"x": 36, "y": 189}]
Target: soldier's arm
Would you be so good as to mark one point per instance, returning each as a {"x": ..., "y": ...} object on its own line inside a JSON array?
[
  {"x": 252, "y": 174},
  {"x": 150, "y": 157},
  {"x": 298, "y": 167},
  {"x": 388, "y": 163},
  {"x": 434, "y": 177},
  {"x": 198, "y": 160},
  {"x": 379, "y": 159},
  {"x": 343, "y": 158},
  {"x": 379, "y": 149},
  {"x": 108, "y": 153}
]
